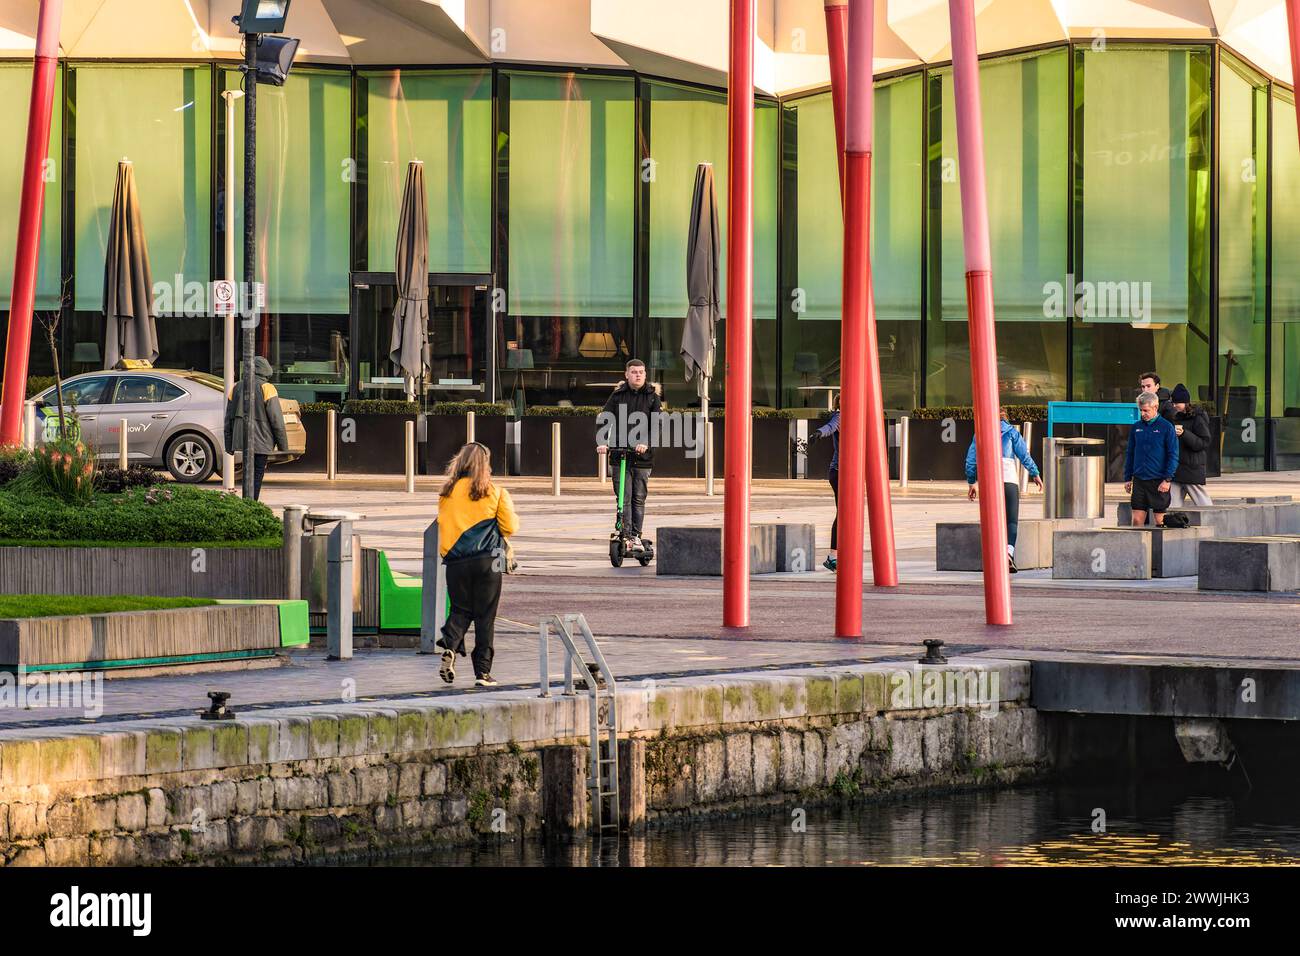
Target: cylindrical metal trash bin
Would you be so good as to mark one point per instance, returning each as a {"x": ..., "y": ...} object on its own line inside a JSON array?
[{"x": 1077, "y": 480}]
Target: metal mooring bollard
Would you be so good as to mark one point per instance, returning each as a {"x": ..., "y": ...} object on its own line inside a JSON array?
[
  {"x": 218, "y": 710},
  {"x": 932, "y": 654},
  {"x": 339, "y": 603}
]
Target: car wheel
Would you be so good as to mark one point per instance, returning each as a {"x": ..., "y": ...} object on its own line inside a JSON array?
[{"x": 190, "y": 458}]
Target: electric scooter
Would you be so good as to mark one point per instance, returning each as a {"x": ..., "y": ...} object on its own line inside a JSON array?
[{"x": 618, "y": 541}]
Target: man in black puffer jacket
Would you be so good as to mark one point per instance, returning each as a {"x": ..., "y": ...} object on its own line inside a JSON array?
[
  {"x": 1193, "y": 428},
  {"x": 625, "y": 425}
]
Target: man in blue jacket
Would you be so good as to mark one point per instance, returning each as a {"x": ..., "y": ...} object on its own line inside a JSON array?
[
  {"x": 1013, "y": 450},
  {"x": 1150, "y": 462}
]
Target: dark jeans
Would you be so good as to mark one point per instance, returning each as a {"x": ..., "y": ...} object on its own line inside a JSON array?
[
  {"x": 1012, "y": 492},
  {"x": 475, "y": 591},
  {"x": 259, "y": 472},
  {"x": 834, "y": 477},
  {"x": 638, "y": 487}
]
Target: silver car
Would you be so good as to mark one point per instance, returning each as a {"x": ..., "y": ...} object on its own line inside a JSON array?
[{"x": 174, "y": 419}]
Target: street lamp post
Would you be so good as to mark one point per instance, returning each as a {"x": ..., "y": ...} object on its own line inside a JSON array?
[{"x": 257, "y": 17}]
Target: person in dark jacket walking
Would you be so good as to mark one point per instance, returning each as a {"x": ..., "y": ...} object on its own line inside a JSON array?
[
  {"x": 626, "y": 424},
  {"x": 1149, "y": 382},
  {"x": 1150, "y": 461},
  {"x": 269, "y": 433},
  {"x": 831, "y": 430},
  {"x": 1192, "y": 425}
]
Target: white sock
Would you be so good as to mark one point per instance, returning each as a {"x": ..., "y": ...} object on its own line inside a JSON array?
[{"x": 1011, "y": 551}]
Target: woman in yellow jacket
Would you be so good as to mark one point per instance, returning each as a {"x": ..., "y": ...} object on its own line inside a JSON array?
[{"x": 474, "y": 519}]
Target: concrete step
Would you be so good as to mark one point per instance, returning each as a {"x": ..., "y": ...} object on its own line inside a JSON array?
[
  {"x": 1228, "y": 520},
  {"x": 1128, "y": 553},
  {"x": 772, "y": 547}
]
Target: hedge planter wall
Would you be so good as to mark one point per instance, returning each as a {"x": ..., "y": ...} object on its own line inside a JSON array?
[
  {"x": 159, "y": 572},
  {"x": 313, "y": 459},
  {"x": 773, "y": 452},
  {"x": 577, "y": 445},
  {"x": 445, "y": 435}
]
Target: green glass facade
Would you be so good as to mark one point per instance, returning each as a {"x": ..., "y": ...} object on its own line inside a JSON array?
[{"x": 1141, "y": 200}]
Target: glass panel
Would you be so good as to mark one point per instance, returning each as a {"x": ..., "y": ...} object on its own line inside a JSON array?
[
  {"x": 1243, "y": 132},
  {"x": 689, "y": 127},
  {"x": 1025, "y": 155},
  {"x": 304, "y": 149},
  {"x": 444, "y": 120},
  {"x": 814, "y": 255},
  {"x": 15, "y": 93},
  {"x": 572, "y": 183},
  {"x": 85, "y": 391},
  {"x": 1145, "y": 220},
  {"x": 143, "y": 389},
  {"x": 1284, "y": 400},
  {"x": 159, "y": 117}
]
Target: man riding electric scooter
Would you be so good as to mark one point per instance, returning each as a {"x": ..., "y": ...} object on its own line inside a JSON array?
[{"x": 623, "y": 429}]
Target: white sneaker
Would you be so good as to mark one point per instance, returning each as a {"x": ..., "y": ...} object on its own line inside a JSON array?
[{"x": 634, "y": 544}]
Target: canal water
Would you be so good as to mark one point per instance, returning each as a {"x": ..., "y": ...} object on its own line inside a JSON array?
[{"x": 1032, "y": 826}]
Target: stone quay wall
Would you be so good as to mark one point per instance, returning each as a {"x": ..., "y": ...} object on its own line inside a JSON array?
[{"x": 368, "y": 778}]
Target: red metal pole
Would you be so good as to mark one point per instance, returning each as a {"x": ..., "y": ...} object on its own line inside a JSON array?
[
  {"x": 740, "y": 270},
  {"x": 979, "y": 302},
  {"x": 1293, "y": 34},
  {"x": 837, "y": 43},
  {"x": 26, "y": 259}
]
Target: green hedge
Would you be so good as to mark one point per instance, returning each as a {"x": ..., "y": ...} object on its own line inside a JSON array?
[
  {"x": 966, "y": 413},
  {"x": 379, "y": 406},
  {"x": 38, "y": 383},
  {"x": 764, "y": 412},
  {"x": 563, "y": 411},
  {"x": 175, "y": 513},
  {"x": 486, "y": 409},
  {"x": 321, "y": 407}
]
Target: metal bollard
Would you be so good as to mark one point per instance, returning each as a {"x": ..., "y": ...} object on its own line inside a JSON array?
[
  {"x": 801, "y": 447},
  {"x": 555, "y": 459},
  {"x": 903, "y": 445},
  {"x": 433, "y": 601},
  {"x": 339, "y": 584},
  {"x": 410, "y": 458},
  {"x": 602, "y": 466},
  {"x": 293, "y": 515},
  {"x": 331, "y": 444},
  {"x": 1027, "y": 433},
  {"x": 708, "y": 457},
  {"x": 469, "y": 427},
  {"x": 29, "y": 425},
  {"x": 543, "y": 657},
  {"x": 1049, "y": 477},
  {"x": 122, "y": 438}
]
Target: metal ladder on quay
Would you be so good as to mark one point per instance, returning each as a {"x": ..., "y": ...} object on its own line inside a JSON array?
[{"x": 602, "y": 696}]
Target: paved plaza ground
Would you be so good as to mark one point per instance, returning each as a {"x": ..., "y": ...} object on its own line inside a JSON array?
[{"x": 652, "y": 626}]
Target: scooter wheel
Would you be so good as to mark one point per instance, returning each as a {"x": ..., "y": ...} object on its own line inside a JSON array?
[
  {"x": 645, "y": 560},
  {"x": 616, "y": 552}
]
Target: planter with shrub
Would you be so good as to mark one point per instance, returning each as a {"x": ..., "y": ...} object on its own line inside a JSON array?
[
  {"x": 444, "y": 433},
  {"x": 772, "y": 449},
  {"x": 577, "y": 440}
]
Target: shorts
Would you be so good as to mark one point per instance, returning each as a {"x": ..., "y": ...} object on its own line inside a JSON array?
[{"x": 1147, "y": 496}]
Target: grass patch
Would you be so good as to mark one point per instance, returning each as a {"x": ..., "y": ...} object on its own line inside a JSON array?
[{"x": 60, "y": 605}]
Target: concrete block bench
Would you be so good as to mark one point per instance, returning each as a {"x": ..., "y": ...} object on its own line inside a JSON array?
[
  {"x": 1127, "y": 554},
  {"x": 1265, "y": 563},
  {"x": 795, "y": 546},
  {"x": 698, "y": 551},
  {"x": 957, "y": 543},
  {"x": 1226, "y": 521}
]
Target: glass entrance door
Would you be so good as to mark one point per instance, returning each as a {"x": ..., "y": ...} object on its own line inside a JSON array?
[{"x": 458, "y": 356}]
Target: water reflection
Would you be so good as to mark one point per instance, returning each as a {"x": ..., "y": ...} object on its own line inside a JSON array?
[{"x": 1041, "y": 826}]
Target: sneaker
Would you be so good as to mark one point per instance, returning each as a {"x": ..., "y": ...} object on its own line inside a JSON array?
[
  {"x": 447, "y": 670},
  {"x": 634, "y": 543},
  {"x": 486, "y": 681},
  {"x": 1011, "y": 564},
  {"x": 829, "y": 563}
]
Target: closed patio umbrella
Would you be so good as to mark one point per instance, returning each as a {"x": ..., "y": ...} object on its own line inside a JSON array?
[
  {"x": 702, "y": 311},
  {"x": 408, "y": 347},
  {"x": 130, "y": 331}
]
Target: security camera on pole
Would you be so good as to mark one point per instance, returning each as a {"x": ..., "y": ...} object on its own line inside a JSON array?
[{"x": 267, "y": 59}]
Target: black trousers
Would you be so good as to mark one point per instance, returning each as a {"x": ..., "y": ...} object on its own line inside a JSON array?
[
  {"x": 259, "y": 472},
  {"x": 1011, "y": 492},
  {"x": 834, "y": 477},
  {"x": 475, "y": 591},
  {"x": 638, "y": 487}
]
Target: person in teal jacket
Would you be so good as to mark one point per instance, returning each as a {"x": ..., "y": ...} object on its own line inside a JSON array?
[{"x": 1013, "y": 450}]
